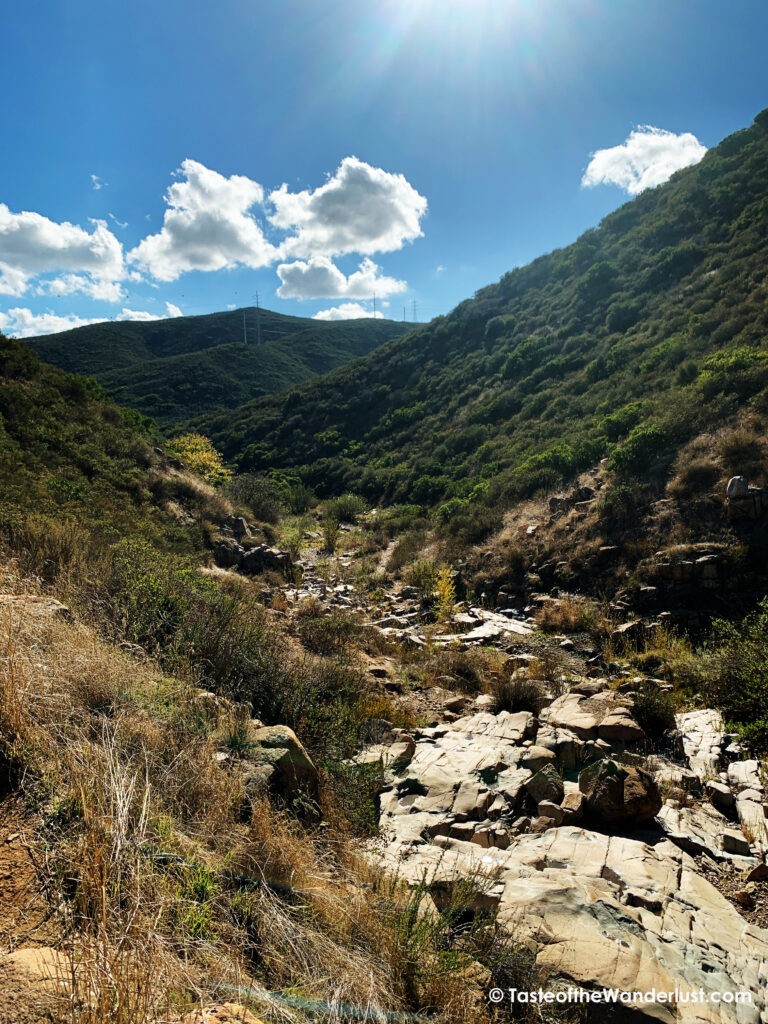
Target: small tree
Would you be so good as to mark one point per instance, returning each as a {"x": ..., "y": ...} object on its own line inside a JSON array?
[{"x": 199, "y": 456}]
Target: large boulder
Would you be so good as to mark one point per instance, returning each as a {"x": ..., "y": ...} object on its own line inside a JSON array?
[
  {"x": 280, "y": 763},
  {"x": 545, "y": 785},
  {"x": 616, "y": 794}
]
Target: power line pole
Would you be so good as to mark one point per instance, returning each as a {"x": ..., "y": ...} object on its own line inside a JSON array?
[
  {"x": 258, "y": 320},
  {"x": 415, "y": 312}
]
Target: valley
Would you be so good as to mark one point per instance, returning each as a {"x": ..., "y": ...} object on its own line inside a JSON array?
[{"x": 381, "y": 667}]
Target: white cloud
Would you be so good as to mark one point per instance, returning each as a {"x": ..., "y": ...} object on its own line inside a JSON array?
[
  {"x": 207, "y": 226},
  {"x": 98, "y": 183},
  {"x": 23, "y": 323},
  {"x": 120, "y": 223},
  {"x": 31, "y": 244},
  {"x": 12, "y": 280},
  {"x": 68, "y": 284},
  {"x": 319, "y": 278},
  {"x": 360, "y": 209},
  {"x": 648, "y": 157},
  {"x": 347, "y": 311}
]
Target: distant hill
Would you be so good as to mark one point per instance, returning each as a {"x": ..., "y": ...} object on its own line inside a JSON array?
[
  {"x": 182, "y": 367},
  {"x": 627, "y": 342}
]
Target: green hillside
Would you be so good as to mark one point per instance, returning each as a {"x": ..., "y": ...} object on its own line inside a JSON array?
[
  {"x": 182, "y": 367},
  {"x": 69, "y": 456},
  {"x": 641, "y": 333}
]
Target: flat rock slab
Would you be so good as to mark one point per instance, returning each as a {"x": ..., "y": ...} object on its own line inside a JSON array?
[{"x": 610, "y": 911}]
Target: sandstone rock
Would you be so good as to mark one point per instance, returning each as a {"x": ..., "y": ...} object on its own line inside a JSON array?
[
  {"x": 550, "y": 809},
  {"x": 702, "y": 736},
  {"x": 223, "y": 1013},
  {"x": 545, "y": 785},
  {"x": 604, "y": 911},
  {"x": 734, "y": 842},
  {"x": 737, "y": 487},
  {"x": 537, "y": 757},
  {"x": 616, "y": 794},
  {"x": 745, "y": 775},
  {"x": 281, "y": 760},
  {"x": 620, "y": 725},
  {"x": 719, "y": 794}
]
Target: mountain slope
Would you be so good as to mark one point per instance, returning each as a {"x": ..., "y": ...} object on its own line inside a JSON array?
[
  {"x": 643, "y": 331},
  {"x": 185, "y": 366},
  {"x": 68, "y": 455}
]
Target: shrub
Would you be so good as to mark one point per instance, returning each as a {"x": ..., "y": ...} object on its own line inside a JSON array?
[
  {"x": 694, "y": 477},
  {"x": 517, "y": 693},
  {"x": 259, "y": 494},
  {"x": 345, "y": 509},
  {"x": 639, "y": 451},
  {"x": 654, "y": 711},
  {"x": 567, "y": 613},
  {"x": 423, "y": 576},
  {"x": 736, "y": 675},
  {"x": 199, "y": 456}
]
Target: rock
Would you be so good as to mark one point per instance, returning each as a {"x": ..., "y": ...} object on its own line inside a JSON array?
[
  {"x": 222, "y": 1013},
  {"x": 603, "y": 911},
  {"x": 619, "y": 795},
  {"x": 536, "y": 758},
  {"x": 620, "y": 725},
  {"x": 629, "y": 632},
  {"x": 552, "y": 810},
  {"x": 228, "y": 555},
  {"x": 47, "y": 968},
  {"x": 734, "y": 842},
  {"x": 545, "y": 785},
  {"x": 745, "y": 775},
  {"x": 258, "y": 559},
  {"x": 36, "y": 605},
  {"x": 702, "y": 735},
  {"x": 281, "y": 760},
  {"x": 719, "y": 794},
  {"x": 759, "y": 873},
  {"x": 737, "y": 487},
  {"x": 572, "y": 806}
]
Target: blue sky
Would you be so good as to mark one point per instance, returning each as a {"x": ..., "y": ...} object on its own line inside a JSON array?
[{"x": 183, "y": 156}]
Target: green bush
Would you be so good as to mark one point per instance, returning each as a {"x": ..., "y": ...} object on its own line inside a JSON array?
[
  {"x": 643, "y": 446},
  {"x": 736, "y": 676}
]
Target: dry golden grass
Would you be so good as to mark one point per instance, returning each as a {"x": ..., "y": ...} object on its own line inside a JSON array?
[
  {"x": 121, "y": 763},
  {"x": 574, "y": 614}
]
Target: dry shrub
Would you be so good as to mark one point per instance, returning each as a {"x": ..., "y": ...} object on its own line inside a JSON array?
[
  {"x": 518, "y": 692},
  {"x": 742, "y": 451},
  {"x": 568, "y": 613},
  {"x": 693, "y": 476}
]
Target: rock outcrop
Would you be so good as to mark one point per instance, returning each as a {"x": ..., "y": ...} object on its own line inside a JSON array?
[{"x": 489, "y": 797}]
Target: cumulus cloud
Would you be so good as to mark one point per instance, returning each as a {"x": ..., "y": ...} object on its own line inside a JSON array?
[
  {"x": 359, "y": 209},
  {"x": 31, "y": 244},
  {"x": 207, "y": 226},
  {"x": 97, "y": 183},
  {"x": 647, "y": 157},
  {"x": 68, "y": 284},
  {"x": 347, "y": 311},
  {"x": 21, "y": 322},
  {"x": 319, "y": 278}
]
